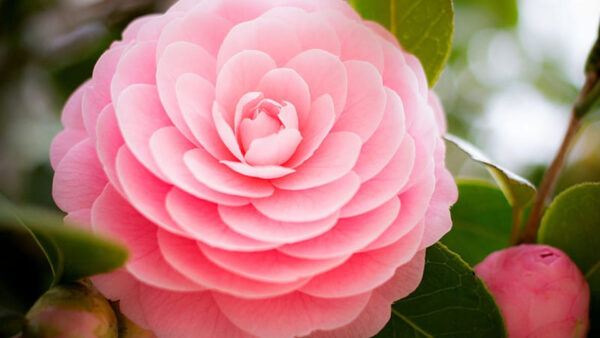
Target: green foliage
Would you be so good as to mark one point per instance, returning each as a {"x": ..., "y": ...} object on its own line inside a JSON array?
[
  {"x": 424, "y": 28},
  {"x": 451, "y": 301},
  {"x": 572, "y": 224},
  {"x": 481, "y": 221}
]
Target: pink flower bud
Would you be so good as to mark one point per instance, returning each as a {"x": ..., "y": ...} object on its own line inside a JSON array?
[{"x": 539, "y": 290}]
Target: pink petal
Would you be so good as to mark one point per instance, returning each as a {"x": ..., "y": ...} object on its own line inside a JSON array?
[
  {"x": 324, "y": 5},
  {"x": 198, "y": 27},
  {"x": 377, "y": 152},
  {"x": 139, "y": 114},
  {"x": 440, "y": 117},
  {"x": 365, "y": 271},
  {"x": 180, "y": 58},
  {"x": 263, "y": 125},
  {"x": 92, "y": 104},
  {"x": 201, "y": 220},
  {"x": 81, "y": 218},
  {"x": 185, "y": 255},
  {"x": 151, "y": 29},
  {"x": 168, "y": 147},
  {"x": 324, "y": 73},
  {"x": 311, "y": 204},
  {"x": 240, "y": 75},
  {"x": 269, "y": 266},
  {"x": 79, "y": 178},
  {"x": 225, "y": 132},
  {"x": 130, "y": 32},
  {"x": 297, "y": 314},
  {"x": 273, "y": 36},
  {"x": 185, "y": 315},
  {"x": 316, "y": 128},
  {"x": 248, "y": 221},
  {"x": 285, "y": 85},
  {"x": 196, "y": 96},
  {"x": 137, "y": 65},
  {"x": 335, "y": 158},
  {"x": 63, "y": 142},
  {"x": 265, "y": 172},
  {"x": 244, "y": 106},
  {"x": 274, "y": 149},
  {"x": 348, "y": 236},
  {"x": 383, "y": 32},
  {"x": 417, "y": 68},
  {"x": 437, "y": 220},
  {"x": 144, "y": 191},
  {"x": 219, "y": 177},
  {"x": 236, "y": 11},
  {"x": 386, "y": 184},
  {"x": 365, "y": 105},
  {"x": 108, "y": 142},
  {"x": 114, "y": 216},
  {"x": 71, "y": 116}
]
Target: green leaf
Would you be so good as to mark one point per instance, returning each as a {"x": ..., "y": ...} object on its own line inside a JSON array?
[
  {"x": 572, "y": 224},
  {"x": 423, "y": 27},
  {"x": 451, "y": 301},
  {"x": 519, "y": 192},
  {"x": 590, "y": 93},
  {"x": 11, "y": 322},
  {"x": 481, "y": 221},
  {"x": 72, "y": 253}
]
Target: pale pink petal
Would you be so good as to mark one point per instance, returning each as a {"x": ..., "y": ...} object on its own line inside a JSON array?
[
  {"x": 168, "y": 147},
  {"x": 185, "y": 315},
  {"x": 219, "y": 177},
  {"x": 130, "y": 32},
  {"x": 265, "y": 172},
  {"x": 324, "y": 5},
  {"x": 108, "y": 142},
  {"x": 180, "y": 58},
  {"x": 248, "y": 221},
  {"x": 144, "y": 191},
  {"x": 285, "y": 85},
  {"x": 386, "y": 184},
  {"x": 263, "y": 125},
  {"x": 269, "y": 266},
  {"x": 71, "y": 116},
  {"x": 437, "y": 220},
  {"x": 151, "y": 29},
  {"x": 225, "y": 132},
  {"x": 244, "y": 107},
  {"x": 274, "y": 149},
  {"x": 383, "y": 32},
  {"x": 79, "y": 178},
  {"x": 316, "y": 128},
  {"x": 334, "y": 159},
  {"x": 185, "y": 256},
  {"x": 201, "y": 220},
  {"x": 139, "y": 114},
  {"x": 63, "y": 142},
  {"x": 365, "y": 105},
  {"x": 324, "y": 73},
  {"x": 297, "y": 314},
  {"x": 275, "y": 37},
  {"x": 240, "y": 75},
  {"x": 288, "y": 116},
  {"x": 348, "y": 236},
  {"x": 366, "y": 270},
  {"x": 405, "y": 280},
  {"x": 114, "y": 216},
  {"x": 237, "y": 11},
  {"x": 92, "y": 104},
  {"x": 198, "y": 27},
  {"x": 136, "y": 65},
  {"x": 414, "y": 63},
  {"x": 195, "y": 96},
  {"x": 311, "y": 204},
  {"x": 103, "y": 73},
  {"x": 438, "y": 110},
  {"x": 377, "y": 152}
]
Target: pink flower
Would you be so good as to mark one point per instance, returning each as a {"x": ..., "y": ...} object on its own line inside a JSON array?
[
  {"x": 275, "y": 167},
  {"x": 539, "y": 290}
]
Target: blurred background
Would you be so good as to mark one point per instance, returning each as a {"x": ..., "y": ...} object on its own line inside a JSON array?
[{"x": 515, "y": 69}]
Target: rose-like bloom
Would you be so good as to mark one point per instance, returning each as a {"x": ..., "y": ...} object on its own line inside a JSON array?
[
  {"x": 275, "y": 167},
  {"x": 539, "y": 290}
]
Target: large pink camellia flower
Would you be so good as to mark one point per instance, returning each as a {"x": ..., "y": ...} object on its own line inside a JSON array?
[
  {"x": 275, "y": 167},
  {"x": 540, "y": 291}
]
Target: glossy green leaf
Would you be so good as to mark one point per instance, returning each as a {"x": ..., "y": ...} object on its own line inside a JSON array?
[
  {"x": 451, "y": 301},
  {"x": 423, "y": 27},
  {"x": 519, "y": 192},
  {"x": 481, "y": 221},
  {"x": 72, "y": 253},
  {"x": 572, "y": 224}
]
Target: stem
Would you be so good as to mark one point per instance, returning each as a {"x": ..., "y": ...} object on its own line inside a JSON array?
[{"x": 517, "y": 219}]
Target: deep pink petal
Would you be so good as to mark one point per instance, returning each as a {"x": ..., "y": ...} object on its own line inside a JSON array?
[
  {"x": 79, "y": 178},
  {"x": 334, "y": 159},
  {"x": 324, "y": 73},
  {"x": 386, "y": 184},
  {"x": 108, "y": 142},
  {"x": 310, "y": 204},
  {"x": 348, "y": 236},
  {"x": 250, "y": 222},
  {"x": 219, "y": 177}
]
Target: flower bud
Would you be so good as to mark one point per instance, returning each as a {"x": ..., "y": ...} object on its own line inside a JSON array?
[
  {"x": 539, "y": 290},
  {"x": 69, "y": 311}
]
